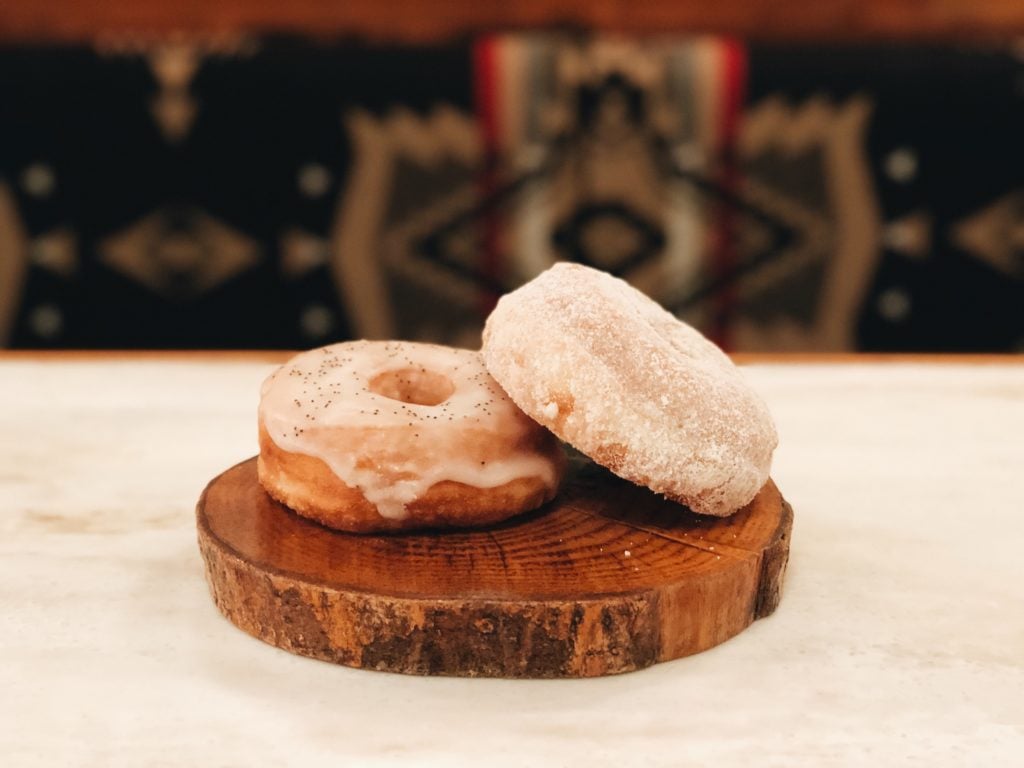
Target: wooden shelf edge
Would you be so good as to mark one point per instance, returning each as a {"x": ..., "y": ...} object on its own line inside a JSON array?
[
  {"x": 420, "y": 22},
  {"x": 279, "y": 356}
]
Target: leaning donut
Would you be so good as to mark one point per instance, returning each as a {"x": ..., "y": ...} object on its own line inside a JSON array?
[
  {"x": 372, "y": 436},
  {"x": 611, "y": 372}
]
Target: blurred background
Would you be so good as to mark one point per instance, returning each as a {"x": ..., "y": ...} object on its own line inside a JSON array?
[{"x": 245, "y": 174}]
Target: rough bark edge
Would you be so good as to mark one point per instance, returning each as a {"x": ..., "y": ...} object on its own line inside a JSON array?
[
  {"x": 773, "y": 565},
  {"x": 551, "y": 639}
]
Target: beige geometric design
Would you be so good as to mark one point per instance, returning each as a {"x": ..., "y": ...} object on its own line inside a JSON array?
[
  {"x": 178, "y": 261},
  {"x": 302, "y": 252},
  {"x": 56, "y": 251},
  {"x": 357, "y": 234},
  {"x": 13, "y": 261},
  {"x": 995, "y": 234},
  {"x": 174, "y": 60},
  {"x": 910, "y": 236},
  {"x": 174, "y": 109},
  {"x": 853, "y": 228}
]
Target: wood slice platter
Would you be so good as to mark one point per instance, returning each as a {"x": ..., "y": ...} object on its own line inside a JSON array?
[{"x": 607, "y": 578}]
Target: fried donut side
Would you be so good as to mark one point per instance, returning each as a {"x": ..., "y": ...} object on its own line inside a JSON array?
[
  {"x": 612, "y": 373},
  {"x": 384, "y": 436},
  {"x": 309, "y": 487}
]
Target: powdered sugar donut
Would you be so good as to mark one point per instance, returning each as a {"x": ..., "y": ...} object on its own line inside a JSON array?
[
  {"x": 367, "y": 436},
  {"x": 611, "y": 372}
]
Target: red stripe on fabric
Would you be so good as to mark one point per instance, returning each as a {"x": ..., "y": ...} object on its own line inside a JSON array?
[
  {"x": 486, "y": 92},
  {"x": 732, "y": 94}
]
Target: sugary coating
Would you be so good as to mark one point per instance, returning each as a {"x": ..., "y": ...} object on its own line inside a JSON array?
[{"x": 612, "y": 373}]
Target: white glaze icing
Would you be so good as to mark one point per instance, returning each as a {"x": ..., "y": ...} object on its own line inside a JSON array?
[{"x": 322, "y": 404}]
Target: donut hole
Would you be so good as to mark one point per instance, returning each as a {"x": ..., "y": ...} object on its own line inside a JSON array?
[{"x": 413, "y": 385}]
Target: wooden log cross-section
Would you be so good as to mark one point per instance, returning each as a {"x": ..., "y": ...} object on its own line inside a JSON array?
[{"x": 607, "y": 578}]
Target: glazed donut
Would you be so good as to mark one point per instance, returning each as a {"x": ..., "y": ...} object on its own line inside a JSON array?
[
  {"x": 372, "y": 436},
  {"x": 626, "y": 383}
]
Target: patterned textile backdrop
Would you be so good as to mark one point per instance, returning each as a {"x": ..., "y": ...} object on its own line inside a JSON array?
[{"x": 285, "y": 193}]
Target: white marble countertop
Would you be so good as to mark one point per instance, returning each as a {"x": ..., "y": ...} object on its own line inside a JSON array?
[{"x": 899, "y": 640}]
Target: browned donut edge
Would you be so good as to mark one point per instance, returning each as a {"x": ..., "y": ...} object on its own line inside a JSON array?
[{"x": 310, "y": 488}]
